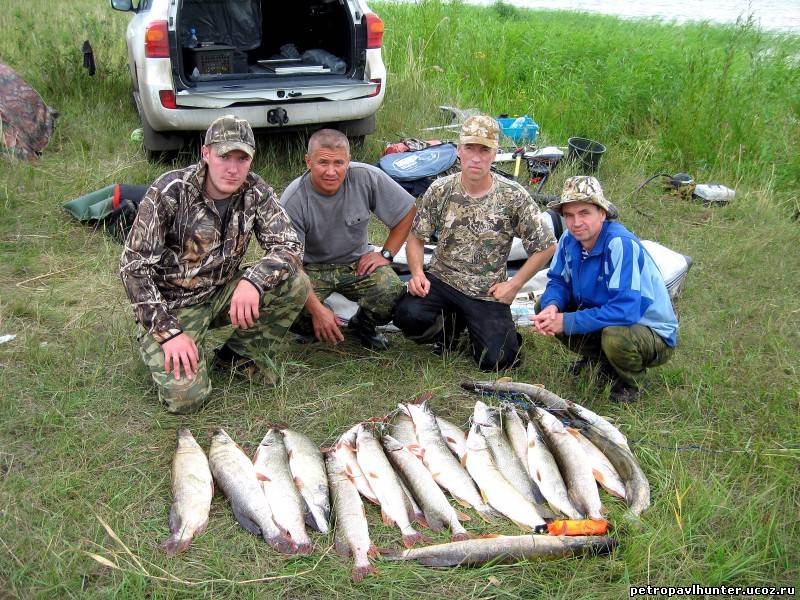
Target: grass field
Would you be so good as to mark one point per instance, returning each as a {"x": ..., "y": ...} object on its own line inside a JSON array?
[{"x": 82, "y": 437}]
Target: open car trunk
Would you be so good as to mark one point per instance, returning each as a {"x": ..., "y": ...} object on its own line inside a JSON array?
[{"x": 257, "y": 50}]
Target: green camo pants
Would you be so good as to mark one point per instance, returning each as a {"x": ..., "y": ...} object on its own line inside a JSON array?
[
  {"x": 629, "y": 350},
  {"x": 377, "y": 294},
  {"x": 279, "y": 307}
]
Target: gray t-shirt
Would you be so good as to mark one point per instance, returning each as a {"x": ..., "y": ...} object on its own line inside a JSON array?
[{"x": 334, "y": 228}]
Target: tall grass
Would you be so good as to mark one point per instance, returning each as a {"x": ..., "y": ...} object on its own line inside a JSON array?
[{"x": 81, "y": 433}]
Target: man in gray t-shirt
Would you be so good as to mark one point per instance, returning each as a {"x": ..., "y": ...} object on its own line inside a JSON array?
[{"x": 330, "y": 207}]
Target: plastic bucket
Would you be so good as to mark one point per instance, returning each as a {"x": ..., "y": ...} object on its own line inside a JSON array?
[{"x": 585, "y": 152}]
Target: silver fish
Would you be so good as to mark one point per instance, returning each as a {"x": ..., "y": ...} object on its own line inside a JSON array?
[
  {"x": 401, "y": 428},
  {"x": 383, "y": 480},
  {"x": 192, "y": 489},
  {"x": 503, "y": 548},
  {"x": 455, "y": 439},
  {"x": 637, "y": 488},
  {"x": 604, "y": 472},
  {"x": 544, "y": 471},
  {"x": 443, "y": 465},
  {"x": 345, "y": 450},
  {"x": 236, "y": 475},
  {"x": 495, "y": 488},
  {"x": 506, "y": 460},
  {"x": 516, "y": 431},
  {"x": 571, "y": 459},
  {"x": 308, "y": 470},
  {"x": 272, "y": 469},
  {"x": 352, "y": 530},
  {"x": 438, "y": 511}
]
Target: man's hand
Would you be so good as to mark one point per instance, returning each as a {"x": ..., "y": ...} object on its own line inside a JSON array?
[
  {"x": 504, "y": 291},
  {"x": 548, "y": 321},
  {"x": 180, "y": 350},
  {"x": 419, "y": 285},
  {"x": 369, "y": 262},
  {"x": 244, "y": 305},
  {"x": 327, "y": 325}
]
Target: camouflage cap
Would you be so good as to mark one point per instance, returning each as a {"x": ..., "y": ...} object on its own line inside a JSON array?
[
  {"x": 480, "y": 129},
  {"x": 229, "y": 133},
  {"x": 584, "y": 188}
]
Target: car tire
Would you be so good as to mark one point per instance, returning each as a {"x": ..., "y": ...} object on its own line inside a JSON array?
[
  {"x": 358, "y": 128},
  {"x": 160, "y": 147}
]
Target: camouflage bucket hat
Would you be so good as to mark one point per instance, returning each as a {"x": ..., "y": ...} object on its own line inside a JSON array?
[
  {"x": 480, "y": 129},
  {"x": 584, "y": 188},
  {"x": 231, "y": 133}
]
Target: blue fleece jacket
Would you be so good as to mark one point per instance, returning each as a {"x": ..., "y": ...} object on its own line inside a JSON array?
[{"x": 616, "y": 284}]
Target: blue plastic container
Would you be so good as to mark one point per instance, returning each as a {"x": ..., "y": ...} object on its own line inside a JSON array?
[{"x": 519, "y": 129}]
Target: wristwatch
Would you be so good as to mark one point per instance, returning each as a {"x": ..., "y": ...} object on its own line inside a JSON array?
[{"x": 387, "y": 254}]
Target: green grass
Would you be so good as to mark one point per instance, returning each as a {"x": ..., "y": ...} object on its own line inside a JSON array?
[{"x": 82, "y": 436}]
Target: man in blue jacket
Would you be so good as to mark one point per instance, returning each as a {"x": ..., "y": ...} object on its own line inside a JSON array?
[{"x": 605, "y": 297}]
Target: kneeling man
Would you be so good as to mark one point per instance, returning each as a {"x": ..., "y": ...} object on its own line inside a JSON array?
[
  {"x": 605, "y": 297},
  {"x": 181, "y": 269},
  {"x": 476, "y": 214},
  {"x": 330, "y": 207}
]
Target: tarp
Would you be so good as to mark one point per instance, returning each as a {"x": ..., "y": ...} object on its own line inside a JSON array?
[{"x": 26, "y": 122}]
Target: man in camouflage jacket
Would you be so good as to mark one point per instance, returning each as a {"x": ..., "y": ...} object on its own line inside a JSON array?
[
  {"x": 476, "y": 214},
  {"x": 181, "y": 268}
]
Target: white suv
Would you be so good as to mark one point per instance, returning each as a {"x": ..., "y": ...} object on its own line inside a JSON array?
[{"x": 297, "y": 64}]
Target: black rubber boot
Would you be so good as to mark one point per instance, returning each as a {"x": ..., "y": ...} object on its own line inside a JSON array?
[
  {"x": 363, "y": 327},
  {"x": 623, "y": 392}
]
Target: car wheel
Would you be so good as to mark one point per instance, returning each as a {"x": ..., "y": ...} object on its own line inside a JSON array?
[{"x": 158, "y": 146}]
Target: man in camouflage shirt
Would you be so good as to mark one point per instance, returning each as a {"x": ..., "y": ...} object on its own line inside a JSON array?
[
  {"x": 181, "y": 268},
  {"x": 477, "y": 214}
]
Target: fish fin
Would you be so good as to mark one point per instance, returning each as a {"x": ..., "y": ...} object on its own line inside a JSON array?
[
  {"x": 462, "y": 502},
  {"x": 358, "y": 573},
  {"x": 298, "y": 483},
  {"x": 416, "y": 450},
  {"x": 462, "y": 516},
  {"x": 246, "y": 522},
  {"x": 463, "y": 460},
  {"x": 261, "y": 477},
  {"x": 538, "y": 476},
  {"x": 488, "y": 536},
  {"x": 460, "y": 537},
  {"x": 374, "y": 551},
  {"x": 282, "y": 543},
  {"x": 422, "y": 521},
  {"x": 424, "y": 397},
  {"x": 373, "y": 475},
  {"x": 412, "y": 538},
  {"x": 504, "y": 379},
  {"x": 488, "y": 514},
  {"x": 449, "y": 440},
  {"x": 170, "y": 545},
  {"x": 387, "y": 520}
]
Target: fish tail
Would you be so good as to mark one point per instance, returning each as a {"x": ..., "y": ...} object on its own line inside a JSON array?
[
  {"x": 487, "y": 513},
  {"x": 460, "y": 537},
  {"x": 305, "y": 548},
  {"x": 173, "y": 545},
  {"x": 409, "y": 539},
  {"x": 358, "y": 572},
  {"x": 282, "y": 543}
]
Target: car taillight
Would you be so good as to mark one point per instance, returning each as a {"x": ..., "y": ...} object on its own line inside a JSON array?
[
  {"x": 167, "y": 98},
  {"x": 156, "y": 40},
  {"x": 374, "y": 30},
  {"x": 377, "y": 89}
]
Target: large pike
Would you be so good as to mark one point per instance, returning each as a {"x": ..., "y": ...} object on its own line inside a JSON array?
[
  {"x": 503, "y": 548},
  {"x": 395, "y": 506},
  {"x": 516, "y": 431},
  {"x": 637, "y": 489},
  {"x": 352, "y": 531},
  {"x": 446, "y": 469},
  {"x": 308, "y": 471},
  {"x": 345, "y": 450},
  {"x": 438, "y": 511},
  {"x": 551, "y": 402},
  {"x": 604, "y": 472},
  {"x": 236, "y": 475},
  {"x": 272, "y": 469},
  {"x": 505, "y": 458},
  {"x": 401, "y": 428},
  {"x": 192, "y": 489},
  {"x": 455, "y": 439},
  {"x": 495, "y": 488},
  {"x": 544, "y": 471},
  {"x": 571, "y": 459}
]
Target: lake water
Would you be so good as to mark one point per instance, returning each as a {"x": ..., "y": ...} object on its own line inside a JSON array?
[{"x": 772, "y": 15}]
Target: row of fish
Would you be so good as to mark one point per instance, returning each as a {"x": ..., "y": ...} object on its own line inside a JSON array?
[
  {"x": 525, "y": 465},
  {"x": 274, "y": 495}
]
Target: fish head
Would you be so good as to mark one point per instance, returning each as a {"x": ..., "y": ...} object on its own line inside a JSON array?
[
  {"x": 475, "y": 440},
  {"x": 272, "y": 437},
  {"x": 185, "y": 439},
  {"x": 390, "y": 444},
  {"x": 363, "y": 435},
  {"x": 421, "y": 413},
  {"x": 488, "y": 416},
  {"x": 548, "y": 421}
]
